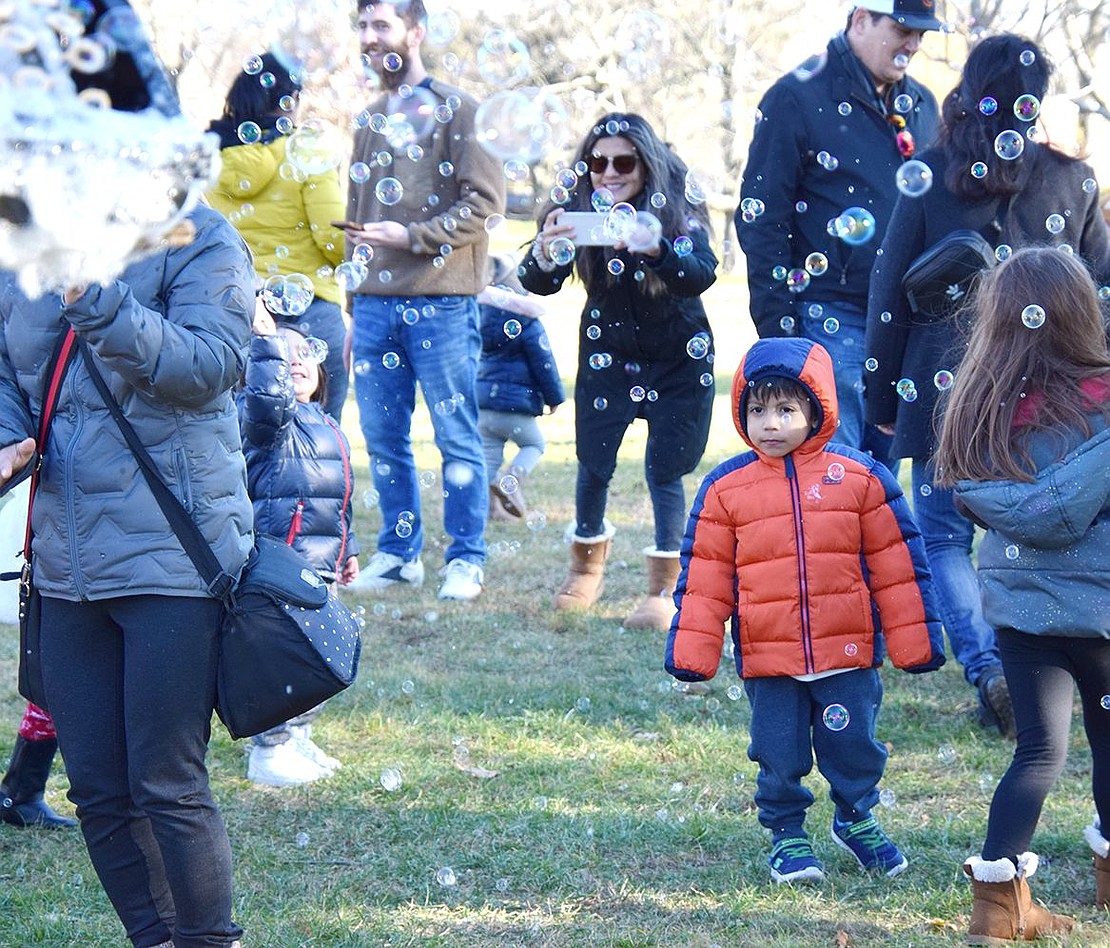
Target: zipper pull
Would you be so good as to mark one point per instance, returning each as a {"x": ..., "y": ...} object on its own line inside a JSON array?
[{"x": 295, "y": 525}]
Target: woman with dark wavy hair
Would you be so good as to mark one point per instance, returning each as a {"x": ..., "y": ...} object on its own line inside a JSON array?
[
  {"x": 645, "y": 346},
  {"x": 993, "y": 176}
]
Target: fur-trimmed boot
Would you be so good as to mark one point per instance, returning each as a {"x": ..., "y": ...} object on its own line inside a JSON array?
[
  {"x": 586, "y": 577},
  {"x": 1101, "y": 848},
  {"x": 1004, "y": 909},
  {"x": 656, "y": 609},
  {"x": 21, "y": 792}
]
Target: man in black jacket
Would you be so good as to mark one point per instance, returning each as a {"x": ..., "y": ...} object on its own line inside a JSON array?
[{"x": 819, "y": 188}]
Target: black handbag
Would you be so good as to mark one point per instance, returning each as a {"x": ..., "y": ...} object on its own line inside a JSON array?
[
  {"x": 29, "y": 680},
  {"x": 938, "y": 281},
  {"x": 286, "y": 642}
]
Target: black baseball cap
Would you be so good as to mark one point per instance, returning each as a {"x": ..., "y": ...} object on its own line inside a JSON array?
[{"x": 914, "y": 14}]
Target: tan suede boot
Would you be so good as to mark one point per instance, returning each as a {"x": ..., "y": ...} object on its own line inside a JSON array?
[
  {"x": 586, "y": 577},
  {"x": 656, "y": 609},
  {"x": 1101, "y": 848},
  {"x": 1004, "y": 909}
]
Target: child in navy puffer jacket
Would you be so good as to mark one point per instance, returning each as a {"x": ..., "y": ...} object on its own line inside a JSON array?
[
  {"x": 300, "y": 482},
  {"x": 517, "y": 377}
]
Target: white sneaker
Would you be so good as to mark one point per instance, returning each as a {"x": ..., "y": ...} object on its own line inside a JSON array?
[
  {"x": 307, "y": 747},
  {"x": 461, "y": 580},
  {"x": 385, "y": 569},
  {"x": 282, "y": 765}
]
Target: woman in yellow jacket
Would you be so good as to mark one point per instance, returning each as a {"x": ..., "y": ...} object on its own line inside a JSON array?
[{"x": 283, "y": 213}]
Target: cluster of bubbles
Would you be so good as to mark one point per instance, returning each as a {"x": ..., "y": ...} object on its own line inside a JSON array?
[
  {"x": 118, "y": 180},
  {"x": 854, "y": 226},
  {"x": 906, "y": 389},
  {"x": 287, "y": 294}
]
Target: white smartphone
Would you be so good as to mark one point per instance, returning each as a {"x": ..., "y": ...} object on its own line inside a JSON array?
[{"x": 589, "y": 228}]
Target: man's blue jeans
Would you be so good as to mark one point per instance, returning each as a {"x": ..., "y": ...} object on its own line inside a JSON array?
[
  {"x": 948, "y": 536},
  {"x": 845, "y": 345},
  {"x": 433, "y": 340}
]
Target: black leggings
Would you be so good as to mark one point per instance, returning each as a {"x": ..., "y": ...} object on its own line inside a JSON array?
[{"x": 1040, "y": 670}]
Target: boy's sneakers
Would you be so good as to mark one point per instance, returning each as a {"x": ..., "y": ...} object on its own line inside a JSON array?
[
  {"x": 869, "y": 844},
  {"x": 792, "y": 860},
  {"x": 461, "y": 580},
  {"x": 385, "y": 569}
]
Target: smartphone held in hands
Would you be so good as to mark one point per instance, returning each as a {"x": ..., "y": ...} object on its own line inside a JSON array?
[{"x": 589, "y": 228}]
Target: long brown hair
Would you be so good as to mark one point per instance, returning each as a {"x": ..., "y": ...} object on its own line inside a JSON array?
[
  {"x": 1008, "y": 362},
  {"x": 664, "y": 173}
]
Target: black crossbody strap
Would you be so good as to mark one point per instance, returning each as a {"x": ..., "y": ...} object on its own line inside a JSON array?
[{"x": 192, "y": 540}]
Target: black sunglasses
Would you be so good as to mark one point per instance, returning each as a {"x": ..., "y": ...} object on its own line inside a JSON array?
[{"x": 624, "y": 164}]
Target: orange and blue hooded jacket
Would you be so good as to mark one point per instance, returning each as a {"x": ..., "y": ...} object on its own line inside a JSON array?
[{"x": 813, "y": 559}]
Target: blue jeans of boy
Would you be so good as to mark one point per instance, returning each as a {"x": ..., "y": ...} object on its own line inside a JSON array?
[
  {"x": 433, "y": 341},
  {"x": 948, "y": 536},
  {"x": 831, "y": 717},
  {"x": 845, "y": 346}
]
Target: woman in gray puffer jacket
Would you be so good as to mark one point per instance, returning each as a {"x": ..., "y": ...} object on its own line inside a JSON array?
[{"x": 129, "y": 630}]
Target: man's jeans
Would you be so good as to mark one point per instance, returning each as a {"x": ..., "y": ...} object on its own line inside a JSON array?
[
  {"x": 433, "y": 340},
  {"x": 948, "y": 536},
  {"x": 845, "y": 344}
]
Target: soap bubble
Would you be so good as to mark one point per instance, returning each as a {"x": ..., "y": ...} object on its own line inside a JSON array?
[
  {"x": 698, "y": 346},
  {"x": 512, "y": 328},
  {"x": 845, "y": 108},
  {"x": 734, "y": 692},
  {"x": 389, "y": 191},
  {"x": 827, "y": 161},
  {"x": 637, "y": 393},
  {"x": 351, "y": 274},
  {"x": 1054, "y": 223},
  {"x": 683, "y": 246},
  {"x": 390, "y": 779},
  {"x": 706, "y": 379},
  {"x": 522, "y": 124},
  {"x": 1033, "y": 316},
  {"x": 986, "y": 782},
  {"x": 926, "y": 490},
  {"x": 1027, "y": 107},
  {"x": 561, "y": 251},
  {"x": 851, "y": 649},
  {"x": 600, "y": 403},
  {"x": 887, "y": 797},
  {"x": 903, "y": 103},
  {"x": 779, "y": 273},
  {"x": 445, "y": 876},
  {"x": 249, "y": 133},
  {"x": 1009, "y": 144},
  {"x": 1105, "y": 702},
  {"x": 643, "y": 43},
  {"x": 1012, "y": 552},
  {"x": 390, "y": 360},
  {"x": 1003, "y": 252},
  {"x": 946, "y": 754},
  {"x": 831, "y": 326},
  {"x": 856, "y": 225},
  {"x": 835, "y": 472},
  {"x": 1027, "y": 57},
  {"x": 315, "y": 148},
  {"x": 615, "y": 266},
  {"x": 316, "y": 350},
  {"x": 988, "y": 105},
  {"x": 979, "y": 170},
  {"x": 787, "y": 323},
  {"x": 508, "y": 484},
  {"x": 835, "y": 717},
  {"x": 817, "y": 264},
  {"x": 300, "y": 840},
  {"x": 797, "y": 280},
  {"x": 914, "y": 178},
  {"x": 943, "y": 380},
  {"x": 1090, "y": 185},
  {"x": 871, "y": 364},
  {"x": 503, "y": 58}
]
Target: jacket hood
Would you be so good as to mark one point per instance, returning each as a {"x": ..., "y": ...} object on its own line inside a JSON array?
[
  {"x": 248, "y": 169},
  {"x": 803, "y": 360}
]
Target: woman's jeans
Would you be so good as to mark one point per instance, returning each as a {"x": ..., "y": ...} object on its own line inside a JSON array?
[
  {"x": 832, "y": 717},
  {"x": 324, "y": 320},
  {"x": 131, "y": 683},
  {"x": 948, "y": 535},
  {"x": 433, "y": 340},
  {"x": 668, "y": 504},
  {"x": 1042, "y": 672}
]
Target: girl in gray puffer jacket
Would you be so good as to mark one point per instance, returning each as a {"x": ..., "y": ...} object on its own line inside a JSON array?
[{"x": 1026, "y": 444}]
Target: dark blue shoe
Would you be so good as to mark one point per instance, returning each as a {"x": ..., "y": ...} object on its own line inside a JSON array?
[
  {"x": 792, "y": 860},
  {"x": 869, "y": 844}
]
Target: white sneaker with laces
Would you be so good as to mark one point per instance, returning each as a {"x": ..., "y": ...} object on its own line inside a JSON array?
[
  {"x": 307, "y": 747},
  {"x": 461, "y": 580},
  {"x": 282, "y": 765},
  {"x": 385, "y": 569}
]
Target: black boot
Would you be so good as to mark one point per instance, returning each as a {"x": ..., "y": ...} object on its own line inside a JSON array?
[{"x": 21, "y": 802}]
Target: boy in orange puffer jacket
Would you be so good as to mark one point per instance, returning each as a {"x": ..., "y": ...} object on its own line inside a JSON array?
[{"x": 804, "y": 547}]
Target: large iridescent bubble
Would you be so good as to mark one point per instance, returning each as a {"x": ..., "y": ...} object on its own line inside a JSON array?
[{"x": 521, "y": 124}]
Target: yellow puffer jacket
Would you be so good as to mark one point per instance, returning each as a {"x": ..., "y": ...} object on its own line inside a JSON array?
[{"x": 285, "y": 222}]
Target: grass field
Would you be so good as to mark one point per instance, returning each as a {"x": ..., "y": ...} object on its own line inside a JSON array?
[{"x": 556, "y": 790}]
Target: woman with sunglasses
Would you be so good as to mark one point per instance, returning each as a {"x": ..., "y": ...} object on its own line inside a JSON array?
[{"x": 645, "y": 347}]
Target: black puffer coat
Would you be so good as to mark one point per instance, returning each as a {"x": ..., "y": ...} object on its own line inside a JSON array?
[
  {"x": 633, "y": 360},
  {"x": 905, "y": 346},
  {"x": 802, "y": 116},
  {"x": 517, "y": 371},
  {"x": 298, "y": 463}
]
